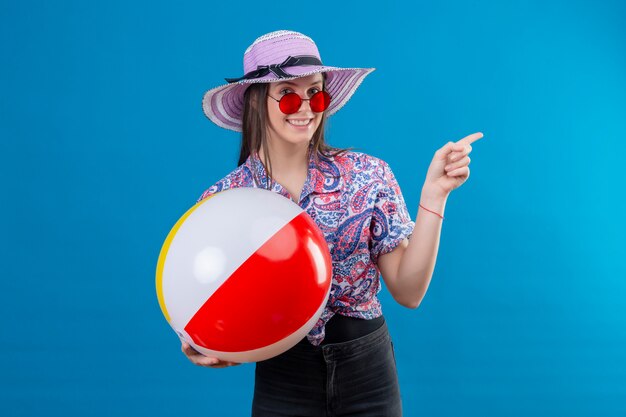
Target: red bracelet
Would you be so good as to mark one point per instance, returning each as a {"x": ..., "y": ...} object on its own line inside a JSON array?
[{"x": 431, "y": 211}]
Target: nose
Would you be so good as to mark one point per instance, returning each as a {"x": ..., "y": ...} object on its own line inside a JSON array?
[{"x": 304, "y": 106}]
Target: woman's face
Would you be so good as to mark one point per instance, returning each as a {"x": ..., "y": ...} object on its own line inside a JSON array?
[{"x": 280, "y": 125}]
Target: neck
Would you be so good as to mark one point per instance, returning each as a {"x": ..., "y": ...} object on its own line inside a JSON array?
[{"x": 287, "y": 159}]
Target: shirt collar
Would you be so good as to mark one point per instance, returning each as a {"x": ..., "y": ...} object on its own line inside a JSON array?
[{"x": 322, "y": 178}]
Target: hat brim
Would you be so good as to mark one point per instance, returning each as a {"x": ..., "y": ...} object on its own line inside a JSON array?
[{"x": 223, "y": 105}]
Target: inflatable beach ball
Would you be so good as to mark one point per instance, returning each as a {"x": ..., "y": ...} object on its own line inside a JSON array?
[{"x": 243, "y": 275}]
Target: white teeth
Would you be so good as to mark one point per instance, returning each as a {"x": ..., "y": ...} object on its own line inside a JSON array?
[{"x": 299, "y": 122}]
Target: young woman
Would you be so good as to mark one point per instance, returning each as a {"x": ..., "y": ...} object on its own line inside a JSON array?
[{"x": 346, "y": 364}]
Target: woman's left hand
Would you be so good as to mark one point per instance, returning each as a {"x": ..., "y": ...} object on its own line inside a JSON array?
[{"x": 450, "y": 166}]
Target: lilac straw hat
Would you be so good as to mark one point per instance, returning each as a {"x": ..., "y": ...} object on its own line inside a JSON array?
[{"x": 278, "y": 56}]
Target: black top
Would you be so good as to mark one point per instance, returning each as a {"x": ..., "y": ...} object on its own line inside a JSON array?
[{"x": 343, "y": 328}]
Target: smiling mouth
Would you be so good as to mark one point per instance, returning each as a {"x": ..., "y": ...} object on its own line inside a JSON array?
[{"x": 299, "y": 122}]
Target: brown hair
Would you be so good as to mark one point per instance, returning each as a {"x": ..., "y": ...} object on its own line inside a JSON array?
[{"x": 254, "y": 129}]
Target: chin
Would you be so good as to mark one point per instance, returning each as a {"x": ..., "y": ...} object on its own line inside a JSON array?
[{"x": 297, "y": 137}]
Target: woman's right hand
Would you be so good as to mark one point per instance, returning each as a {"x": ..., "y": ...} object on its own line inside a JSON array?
[{"x": 199, "y": 359}]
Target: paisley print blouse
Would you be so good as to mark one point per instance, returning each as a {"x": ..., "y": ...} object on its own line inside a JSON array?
[{"x": 356, "y": 202}]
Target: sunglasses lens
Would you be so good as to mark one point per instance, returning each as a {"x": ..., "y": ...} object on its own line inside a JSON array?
[
  {"x": 290, "y": 103},
  {"x": 320, "y": 101}
]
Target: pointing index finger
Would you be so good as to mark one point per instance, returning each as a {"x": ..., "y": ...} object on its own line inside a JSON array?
[{"x": 471, "y": 138}]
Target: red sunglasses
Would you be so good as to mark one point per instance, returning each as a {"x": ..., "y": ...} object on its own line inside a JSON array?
[{"x": 290, "y": 103}]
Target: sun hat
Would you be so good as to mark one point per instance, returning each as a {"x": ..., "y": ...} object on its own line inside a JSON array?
[{"x": 278, "y": 56}]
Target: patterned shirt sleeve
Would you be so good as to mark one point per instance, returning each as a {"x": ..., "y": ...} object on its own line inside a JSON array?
[
  {"x": 209, "y": 192},
  {"x": 232, "y": 180},
  {"x": 391, "y": 221}
]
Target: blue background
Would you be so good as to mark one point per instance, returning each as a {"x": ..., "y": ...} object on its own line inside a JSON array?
[{"x": 104, "y": 145}]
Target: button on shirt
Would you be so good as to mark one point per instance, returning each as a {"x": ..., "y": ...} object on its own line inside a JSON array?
[{"x": 356, "y": 202}]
